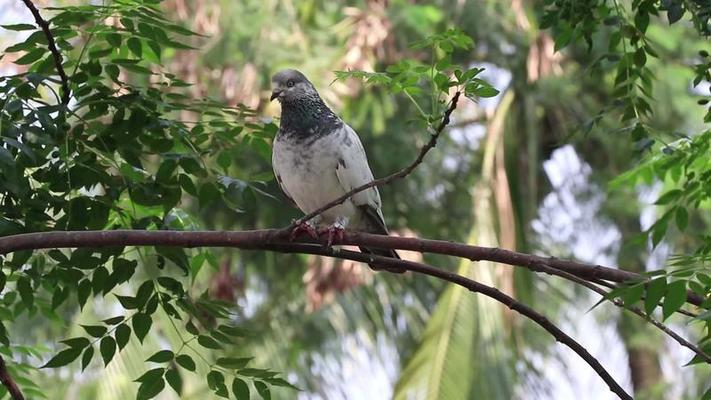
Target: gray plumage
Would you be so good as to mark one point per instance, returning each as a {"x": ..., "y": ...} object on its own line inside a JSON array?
[{"x": 318, "y": 158}]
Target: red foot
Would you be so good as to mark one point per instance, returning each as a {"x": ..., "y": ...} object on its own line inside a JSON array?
[
  {"x": 335, "y": 235},
  {"x": 303, "y": 227}
]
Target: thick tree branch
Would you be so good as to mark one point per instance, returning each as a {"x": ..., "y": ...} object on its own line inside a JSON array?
[
  {"x": 588, "y": 272},
  {"x": 257, "y": 239},
  {"x": 471, "y": 285},
  {"x": 8, "y": 382},
  {"x": 395, "y": 175},
  {"x": 52, "y": 45}
]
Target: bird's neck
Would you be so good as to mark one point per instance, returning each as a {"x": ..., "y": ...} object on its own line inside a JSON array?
[{"x": 307, "y": 117}]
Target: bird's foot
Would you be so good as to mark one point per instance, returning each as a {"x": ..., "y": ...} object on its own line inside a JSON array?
[
  {"x": 303, "y": 227},
  {"x": 334, "y": 234}
]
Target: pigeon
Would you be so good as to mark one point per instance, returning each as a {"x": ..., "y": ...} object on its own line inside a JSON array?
[{"x": 318, "y": 158}]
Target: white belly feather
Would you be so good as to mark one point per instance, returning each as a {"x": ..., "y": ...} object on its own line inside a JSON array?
[{"x": 308, "y": 175}]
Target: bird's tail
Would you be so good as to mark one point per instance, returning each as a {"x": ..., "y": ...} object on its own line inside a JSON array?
[
  {"x": 385, "y": 253},
  {"x": 375, "y": 224}
]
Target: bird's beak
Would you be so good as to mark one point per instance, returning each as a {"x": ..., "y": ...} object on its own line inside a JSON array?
[{"x": 275, "y": 93}]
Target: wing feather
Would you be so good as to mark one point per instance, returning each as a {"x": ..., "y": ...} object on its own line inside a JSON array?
[
  {"x": 283, "y": 189},
  {"x": 353, "y": 170}
]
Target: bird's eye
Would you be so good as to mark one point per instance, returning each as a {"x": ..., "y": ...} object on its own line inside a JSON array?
[{"x": 290, "y": 84}]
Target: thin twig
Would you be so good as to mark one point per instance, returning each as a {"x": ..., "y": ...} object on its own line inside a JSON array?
[
  {"x": 471, "y": 285},
  {"x": 52, "y": 45},
  {"x": 633, "y": 309},
  {"x": 9, "y": 383},
  {"x": 395, "y": 175}
]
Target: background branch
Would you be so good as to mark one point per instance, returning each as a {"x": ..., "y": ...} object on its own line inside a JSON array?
[
  {"x": 395, "y": 175},
  {"x": 52, "y": 45},
  {"x": 9, "y": 383}
]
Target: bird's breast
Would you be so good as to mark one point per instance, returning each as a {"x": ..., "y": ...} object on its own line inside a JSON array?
[{"x": 307, "y": 169}]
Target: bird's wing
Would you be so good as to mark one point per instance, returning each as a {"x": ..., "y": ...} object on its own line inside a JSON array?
[
  {"x": 277, "y": 174},
  {"x": 353, "y": 170},
  {"x": 283, "y": 189}
]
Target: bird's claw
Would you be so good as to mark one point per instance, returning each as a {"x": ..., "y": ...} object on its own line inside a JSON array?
[
  {"x": 303, "y": 227},
  {"x": 334, "y": 234}
]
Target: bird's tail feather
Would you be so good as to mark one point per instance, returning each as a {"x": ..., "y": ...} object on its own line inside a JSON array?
[
  {"x": 385, "y": 253},
  {"x": 376, "y": 224}
]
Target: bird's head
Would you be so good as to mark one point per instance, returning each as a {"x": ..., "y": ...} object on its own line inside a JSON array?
[{"x": 290, "y": 85}]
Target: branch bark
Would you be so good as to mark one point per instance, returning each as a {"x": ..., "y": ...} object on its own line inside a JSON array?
[
  {"x": 52, "y": 45},
  {"x": 395, "y": 175},
  {"x": 9, "y": 383},
  {"x": 258, "y": 239}
]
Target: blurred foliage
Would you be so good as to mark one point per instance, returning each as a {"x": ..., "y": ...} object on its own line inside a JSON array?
[{"x": 159, "y": 135}]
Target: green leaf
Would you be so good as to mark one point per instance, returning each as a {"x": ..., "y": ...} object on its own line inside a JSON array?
[
  {"x": 655, "y": 291},
  {"x": 191, "y": 328},
  {"x": 134, "y": 45},
  {"x": 280, "y": 382},
  {"x": 63, "y": 358},
  {"x": 96, "y": 331},
  {"x": 114, "y": 39},
  {"x": 176, "y": 255},
  {"x": 31, "y": 57},
  {"x": 151, "y": 375},
  {"x": 208, "y": 342},
  {"x": 114, "y": 320},
  {"x": 631, "y": 295},
  {"x": 78, "y": 342},
  {"x": 563, "y": 36},
  {"x": 122, "y": 334},
  {"x": 233, "y": 331},
  {"x": 682, "y": 218},
  {"x": 174, "y": 380},
  {"x": 240, "y": 389},
  {"x": 674, "y": 299},
  {"x": 127, "y": 302},
  {"x": 141, "y": 325},
  {"x": 107, "y": 347},
  {"x": 86, "y": 358},
  {"x": 99, "y": 279},
  {"x": 233, "y": 363},
  {"x": 83, "y": 292},
  {"x": 216, "y": 382},
  {"x": 640, "y": 57},
  {"x": 161, "y": 356},
  {"x": 24, "y": 287},
  {"x": 668, "y": 197},
  {"x": 658, "y": 231},
  {"x": 144, "y": 292},
  {"x": 675, "y": 12},
  {"x": 58, "y": 297},
  {"x": 263, "y": 390},
  {"x": 224, "y": 160},
  {"x": 221, "y": 337},
  {"x": 186, "y": 362},
  {"x": 486, "y": 91},
  {"x": 150, "y": 388},
  {"x": 19, "y": 27},
  {"x": 257, "y": 372},
  {"x": 171, "y": 284}
]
